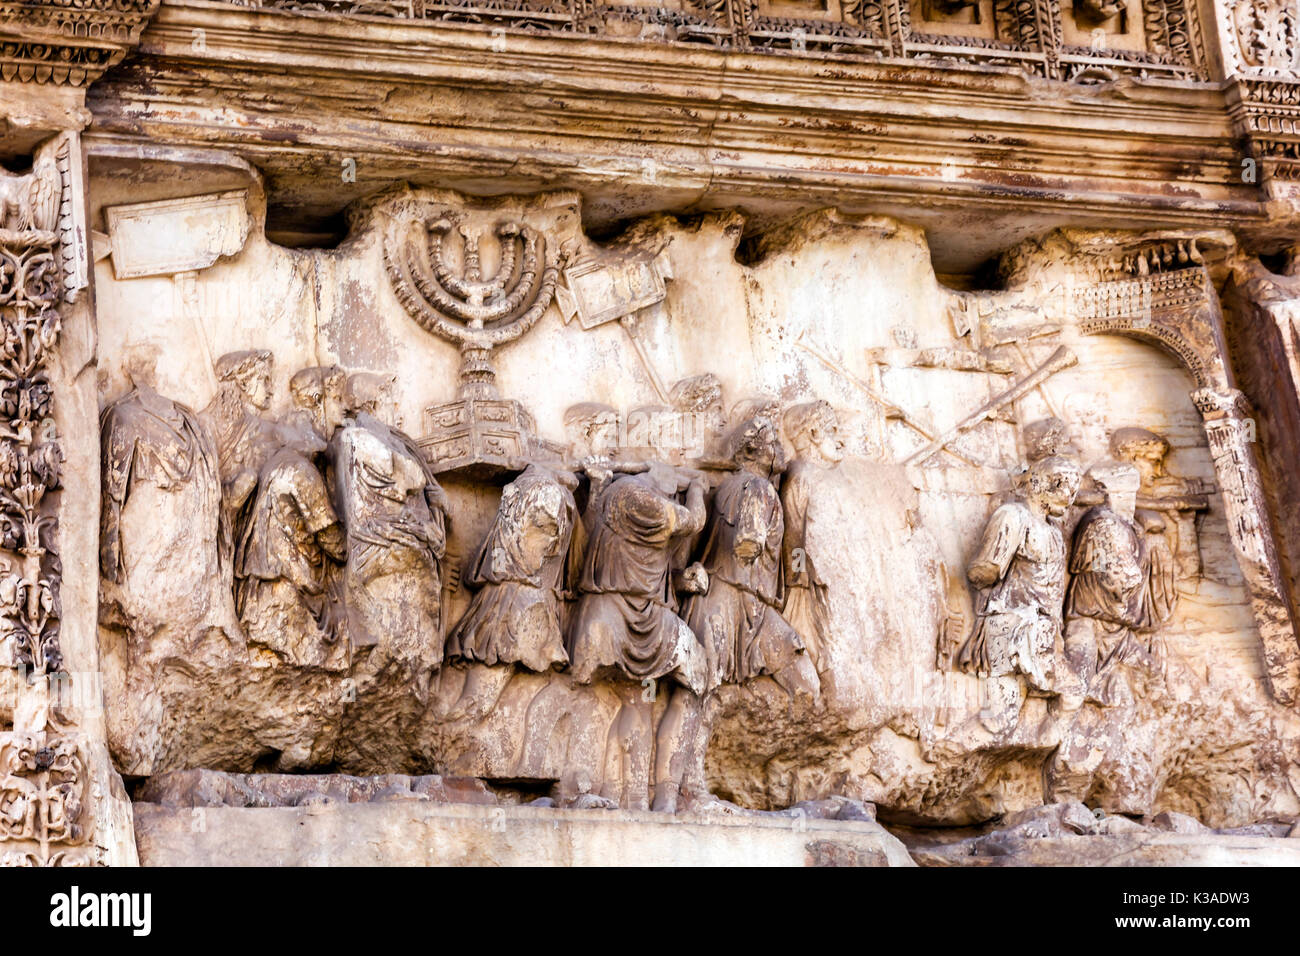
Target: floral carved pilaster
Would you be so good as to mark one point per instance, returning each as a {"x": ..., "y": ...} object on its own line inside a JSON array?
[
  {"x": 1231, "y": 430},
  {"x": 42, "y": 757},
  {"x": 42, "y": 792}
]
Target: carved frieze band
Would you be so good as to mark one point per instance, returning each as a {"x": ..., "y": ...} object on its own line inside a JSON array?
[{"x": 1089, "y": 40}]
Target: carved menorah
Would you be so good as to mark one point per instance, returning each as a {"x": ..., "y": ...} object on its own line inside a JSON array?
[{"x": 471, "y": 311}]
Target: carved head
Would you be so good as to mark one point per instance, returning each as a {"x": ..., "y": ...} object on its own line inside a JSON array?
[
  {"x": 1145, "y": 449},
  {"x": 814, "y": 430},
  {"x": 756, "y": 406},
  {"x": 1052, "y": 483},
  {"x": 1046, "y": 437},
  {"x": 756, "y": 446},
  {"x": 250, "y": 373},
  {"x": 592, "y": 429},
  {"x": 372, "y": 394},
  {"x": 319, "y": 392},
  {"x": 1119, "y": 481},
  {"x": 655, "y": 428},
  {"x": 699, "y": 393},
  {"x": 140, "y": 365}
]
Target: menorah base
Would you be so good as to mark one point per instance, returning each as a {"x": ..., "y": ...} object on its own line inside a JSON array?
[{"x": 483, "y": 438}]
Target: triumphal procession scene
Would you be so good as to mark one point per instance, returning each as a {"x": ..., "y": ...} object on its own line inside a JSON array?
[{"x": 768, "y": 431}]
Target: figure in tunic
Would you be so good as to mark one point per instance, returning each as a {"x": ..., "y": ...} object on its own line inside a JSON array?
[
  {"x": 626, "y": 622},
  {"x": 393, "y": 514},
  {"x": 1119, "y": 592},
  {"x": 626, "y": 628},
  {"x": 1111, "y": 639},
  {"x": 736, "y": 616},
  {"x": 243, "y": 438},
  {"x": 813, "y": 429},
  {"x": 282, "y": 557},
  {"x": 1020, "y": 571},
  {"x": 523, "y": 572},
  {"x": 1168, "y": 508},
  {"x": 160, "y": 512},
  {"x": 738, "y": 619}
]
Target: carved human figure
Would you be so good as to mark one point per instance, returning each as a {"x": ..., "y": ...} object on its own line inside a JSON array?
[
  {"x": 626, "y": 622},
  {"x": 736, "y": 614},
  {"x": 738, "y": 619},
  {"x": 626, "y": 628},
  {"x": 1113, "y": 609},
  {"x": 243, "y": 438},
  {"x": 283, "y": 554},
  {"x": 394, "y": 519},
  {"x": 160, "y": 512},
  {"x": 1019, "y": 569},
  {"x": 1120, "y": 588},
  {"x": 523, "y": 572},
  {"x": 813, "y": 430},
  {"x": 1171, "y": 506}
]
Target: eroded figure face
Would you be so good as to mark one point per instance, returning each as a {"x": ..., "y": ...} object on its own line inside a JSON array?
[
  {"x": 814, "y": 429},
  {"x": 767, "y": 448},
  {"x": 257, "y": 388},
  {"x": 826, "y": 439},
  {"x": 249, "y": 373},
  {"x": 1145, "y": 449},
  {"x": 141, "y": 366},
  {"x": 592, "y": 429},
  {"x": 319, "y": 392},
  {"x": 1052, "y": 484},
  {"x": 372, "y": 394}
]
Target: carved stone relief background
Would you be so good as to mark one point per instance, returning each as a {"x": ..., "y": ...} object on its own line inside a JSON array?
[{"x": 453, "y": 610}]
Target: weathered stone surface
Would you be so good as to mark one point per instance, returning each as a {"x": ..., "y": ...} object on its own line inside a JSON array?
[
  {"x": 207, "y": 788},
  {"x": 901, "y": 422},
  {"x": 1132, "y": 849},
  {"x": 425, "y": 834}
]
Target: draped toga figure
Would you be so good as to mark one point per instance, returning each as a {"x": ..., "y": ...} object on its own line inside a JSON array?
[
  {"x": 243, "y": 438},
  {"x": 283, "y": 556},
  {"x": 626, "y": 620},
  {"x": 523, "y": 571},
  {"x": 160, "y": 514},
  {"x": 393, "y": 514},
  {"x": 1120, "y": 594},
  {"x": 1121, "y": 589},
  {"x": 813, "y": 429},
  {"x": 736, "y": 617}
]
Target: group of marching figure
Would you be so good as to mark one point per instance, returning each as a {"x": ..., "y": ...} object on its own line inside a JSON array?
[{"x": 330, "y": 533}]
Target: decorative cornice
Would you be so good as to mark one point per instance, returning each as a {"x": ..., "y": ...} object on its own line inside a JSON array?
[{"x": 68, "y": 42}]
